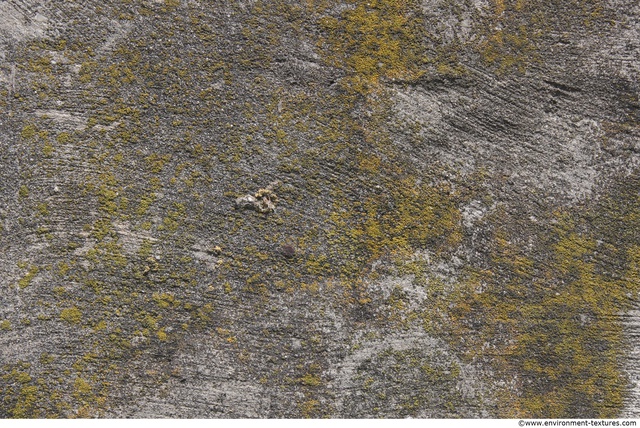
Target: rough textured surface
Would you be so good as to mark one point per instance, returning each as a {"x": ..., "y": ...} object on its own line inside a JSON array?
[{"x": 326, "y": 208}]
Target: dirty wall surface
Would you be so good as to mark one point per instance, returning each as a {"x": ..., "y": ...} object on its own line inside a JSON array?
[{"x": 319, "y": 209}]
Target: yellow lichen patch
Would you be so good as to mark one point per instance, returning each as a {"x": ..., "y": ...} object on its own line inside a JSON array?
[
  {"x": 155, "y": 162},
  {"x": 310, "y": 379},
  {"x": 25, "y": 281},
  {"x": 82, "y": 387},
  {"x": 511, "y": 41},
  {"x": 376, "y": 39},
  {"x": 25, "y": 405},
  {"x": 513, "y": 30},
  {"x": 71, "y": 315},
  {"x": 165, "y": 300},
  {"x": 551, "y": 324},
  {"x": 28, "y": 131},
  {"x": 309, "y": 408},
  {"x": 162, "y": 334},
  {"x": 407, "y": 217}
]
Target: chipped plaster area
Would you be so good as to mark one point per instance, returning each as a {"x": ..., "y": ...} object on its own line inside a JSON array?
[
  {"x": 452, "y": 22},
  {"x": 471, "y": 129},
  {"x": 473, "y": 212},
  {"x": 442, "y": 274},
  {"x": 21, "y": 20},
  {"x": 65, "y": 119},
  {"x": 132, "y": 240},
  {"x": 631, "y": 322},
  {"x": 118, "y": 31},
  {"x": 616, "y": 54},
  {"x": 202, "y": 378},
  {"x": 347, "y": 374}
]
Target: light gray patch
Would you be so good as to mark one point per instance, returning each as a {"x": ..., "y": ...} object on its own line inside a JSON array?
[
  {"x": 131, "y": 240},
  {"x": 344, "y": 372},
  {"x": 631, "y": 322},
  {"x": 473, "y": 212},
  {"x": 19, "y": 21},
  {"x": 69, "y": 120}
]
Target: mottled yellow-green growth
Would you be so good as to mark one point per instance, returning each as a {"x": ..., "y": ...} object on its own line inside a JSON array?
[
  {"x": 71, "y": 315},
  {"x": 23, "y": 191},
  {"x": 26, "y": 280},
  {"x": 374, "y": 40},
  {"x": 553, "y": 322},
  {"x": 310, "y": 379},
  {"x": 513, "y": 30}
]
